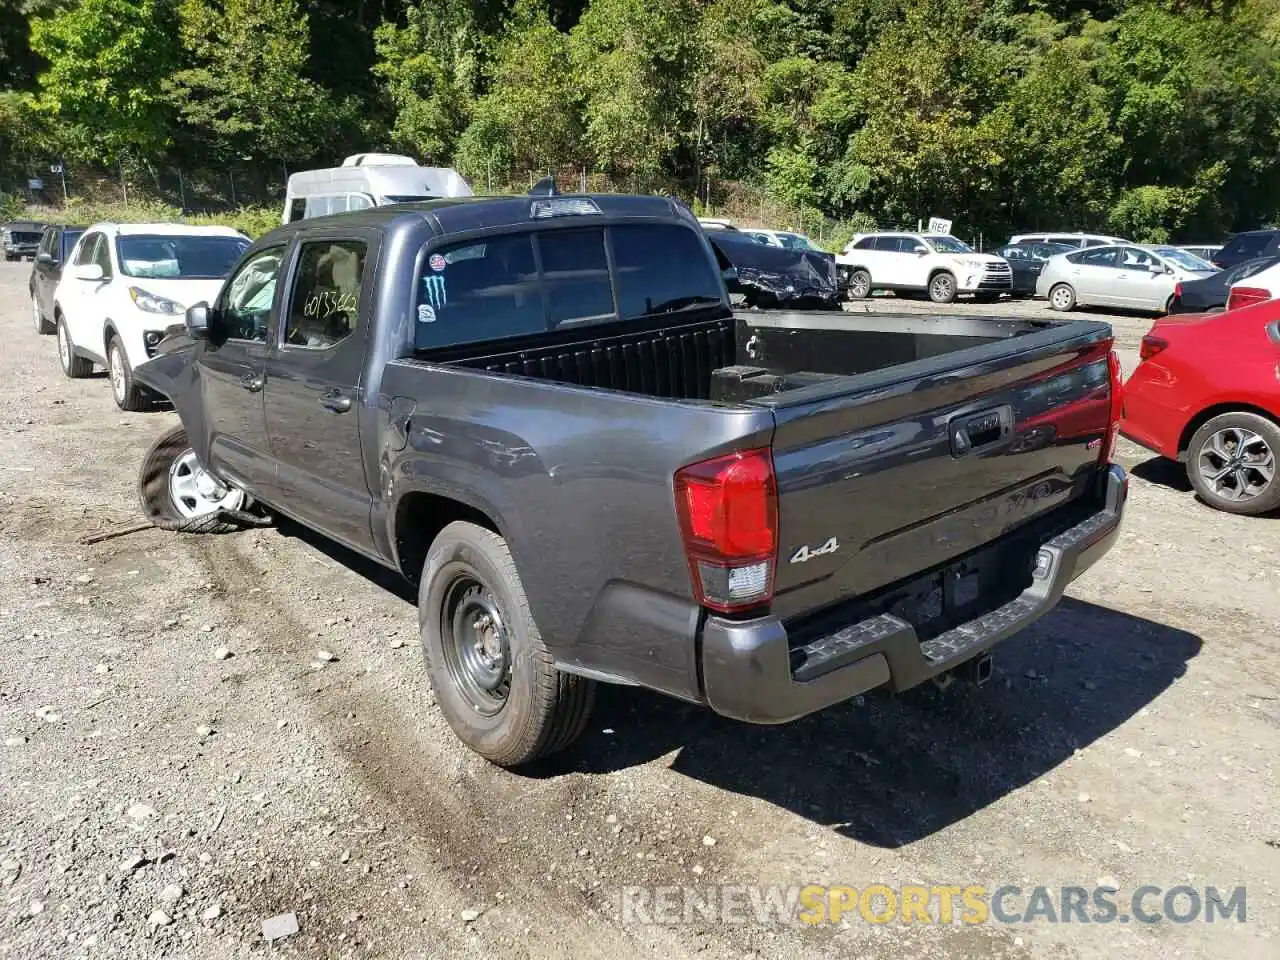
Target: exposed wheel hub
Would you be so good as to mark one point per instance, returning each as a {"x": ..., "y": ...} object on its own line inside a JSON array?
[{"x": 477, "y": 647}]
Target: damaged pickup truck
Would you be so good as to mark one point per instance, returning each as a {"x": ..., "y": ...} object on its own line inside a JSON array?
[{"x": 544, "y": 412}]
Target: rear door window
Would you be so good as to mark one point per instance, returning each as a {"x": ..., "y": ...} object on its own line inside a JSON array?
[
  {"x": 1096, "y": 257},
  {"x": 325, "y": 307}
]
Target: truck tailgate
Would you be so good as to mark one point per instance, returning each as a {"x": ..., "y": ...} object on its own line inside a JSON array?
[{"x": 884, "y": 475}]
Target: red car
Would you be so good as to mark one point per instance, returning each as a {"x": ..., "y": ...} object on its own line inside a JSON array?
[{"x": 1207, "y": 393}]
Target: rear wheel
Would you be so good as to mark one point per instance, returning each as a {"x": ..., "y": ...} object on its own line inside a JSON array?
[
  {"x": 942, "y": 287},
  {"x": 859, "y": 287},
  {"x": 1062, "y": 297},
  {"x": 1231, "y": 462},
  {"x": 128, "y": 395},
  {"x": 73, "y": 367},
  {"x": 43, "y": 326},
  {"x": 494, "y": 678}
]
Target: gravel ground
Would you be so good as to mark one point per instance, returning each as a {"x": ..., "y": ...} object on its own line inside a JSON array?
[{"x": 160, "y": 798}]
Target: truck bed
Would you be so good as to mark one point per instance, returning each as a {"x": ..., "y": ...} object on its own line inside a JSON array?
[{"x": 740, "y": 358}]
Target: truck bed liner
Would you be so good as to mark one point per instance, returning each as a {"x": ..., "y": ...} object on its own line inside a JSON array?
[{"x": 728, "y": 358}]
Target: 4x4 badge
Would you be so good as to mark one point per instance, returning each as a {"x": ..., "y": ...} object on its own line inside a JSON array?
[{"x": 804, "y": 553}]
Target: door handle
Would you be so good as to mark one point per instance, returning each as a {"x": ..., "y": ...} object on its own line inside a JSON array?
[
  {"x": 251, "y": 382},
  {"x": 335, "y": 401}
]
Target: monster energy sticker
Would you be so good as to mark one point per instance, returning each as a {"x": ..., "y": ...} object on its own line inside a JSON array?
[
  {"x": 434, "y": 291},
  {"x": 426, "y": 314}
]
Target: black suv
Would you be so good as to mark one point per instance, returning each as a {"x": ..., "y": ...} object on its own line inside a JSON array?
[
  {"x": 54, "y": 248},
  {"x": 1247, "y": 245}
]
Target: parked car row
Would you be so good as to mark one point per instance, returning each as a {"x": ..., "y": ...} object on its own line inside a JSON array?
[{"x": 110, "y": 291}]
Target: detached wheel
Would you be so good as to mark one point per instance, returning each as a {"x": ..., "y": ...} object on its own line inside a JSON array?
[
  {"x": 492, "y": 674},
  {"x": 177, "y": 493},
  {"x": 128, "y": 395},
  {"x": 1231, "y": 462},
  {"x": 73, "y": 367},
  {"x": 43, "y": 326},
  {"x": 859, "y": 287},
  {"x": 1062, "y": 297},
  {"x": 942, "y": 287}
]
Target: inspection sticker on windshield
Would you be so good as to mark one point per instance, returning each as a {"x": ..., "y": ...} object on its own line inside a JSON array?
[
  {"x": 437, "y": 262},
  {"x": 426, "y": 313}
]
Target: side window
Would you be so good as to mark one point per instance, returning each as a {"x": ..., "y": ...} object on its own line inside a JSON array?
[
  {"x": 1097, "y": 257},
  {"x": 250, "y": 294},
  {"x": 1248, "y": 245},
  {"x": 1011, "y": 253},
  {"x": 471, "y": 292},
  {"x": 297, "y": 209},
  {"x": 1069, "y": 241},
  {"x": 866, "y": 243},
  {"x": 325, "y": 306},
  {"x": 886, "y": 244},
  {"x": 102, "y": 255},
  {"x": 1133, "y": 258},
  {"x": 358, "y": 201},
  {"x": 85, "y": 254},
  {"x": 320, "y": 206},
  {"x": 575, "y": 275}
]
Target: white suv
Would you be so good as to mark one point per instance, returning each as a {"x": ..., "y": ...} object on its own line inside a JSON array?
[
  {"x": 937, "y": 263},
  {"x": 124, "y": 284}
]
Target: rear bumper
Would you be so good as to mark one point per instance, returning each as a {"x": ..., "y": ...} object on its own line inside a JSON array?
[{"x": 748, "y": 668}]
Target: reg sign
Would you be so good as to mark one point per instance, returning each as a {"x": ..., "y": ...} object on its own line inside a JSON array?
[{"x": 938, "y": 225}]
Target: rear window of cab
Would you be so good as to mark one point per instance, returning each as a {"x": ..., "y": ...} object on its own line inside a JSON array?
[{"x": 517, "y": 284}]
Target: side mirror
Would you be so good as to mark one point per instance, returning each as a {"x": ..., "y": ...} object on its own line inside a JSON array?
[
  {"x": 89, "y": 272},
  {"x": 730, "y": 274},
  {"x": 43, "y": 257},
  {"x": 921, "y": 250},
  {"x": 197, "y": 321}
]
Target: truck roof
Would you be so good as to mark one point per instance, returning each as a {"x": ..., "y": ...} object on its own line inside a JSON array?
[{"x": 466, "y": 214}]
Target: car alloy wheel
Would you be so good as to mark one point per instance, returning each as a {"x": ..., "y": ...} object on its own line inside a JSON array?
[
  {"x": 1236, "y": 464},
  {"x": 942, "y": 288},
  {"x": 119, "y": 376}
]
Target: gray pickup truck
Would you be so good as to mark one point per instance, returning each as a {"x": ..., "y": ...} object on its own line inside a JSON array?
[{"x": 544, "y": 412}]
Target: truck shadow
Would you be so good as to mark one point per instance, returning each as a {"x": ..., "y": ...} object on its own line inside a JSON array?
[
  {"x": 891, "y": 770},
  {"x": 895, "y": 770}
]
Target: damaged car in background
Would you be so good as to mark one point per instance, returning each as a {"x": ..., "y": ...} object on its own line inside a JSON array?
[{"x": 769, "y": 276}]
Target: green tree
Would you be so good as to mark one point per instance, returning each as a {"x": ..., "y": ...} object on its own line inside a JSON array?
[
  {"x": 246, "y": 92},
  {"x": 530, "y": 117},
  {"x": 106, "y": 62},
  {"x": 633, "y": 60},
  {"x": 431, "y": 71}
]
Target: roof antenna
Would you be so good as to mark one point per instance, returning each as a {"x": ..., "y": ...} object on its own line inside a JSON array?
[{"x": 546, "y": 187}]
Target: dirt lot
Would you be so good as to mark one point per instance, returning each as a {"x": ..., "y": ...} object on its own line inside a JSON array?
[{"x": 1128, "y": 739}]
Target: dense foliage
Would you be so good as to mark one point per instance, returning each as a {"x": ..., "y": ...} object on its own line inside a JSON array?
[{"x": 1151, "y": 118}]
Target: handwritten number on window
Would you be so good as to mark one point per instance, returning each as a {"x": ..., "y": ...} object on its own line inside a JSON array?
[{"x": 326, "y": 303}]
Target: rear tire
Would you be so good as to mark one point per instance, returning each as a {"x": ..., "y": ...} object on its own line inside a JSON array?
[
  {"x": 1231, "y": 462},
  {"x": 128, "y": 395},
  {"x": 73, "y": 367},
  {"x": 1062, "y": 297},
  {"x": 43, "y": 326},
  {"x": 494, "y": 678},
  {"x": 942, "y": 287}
]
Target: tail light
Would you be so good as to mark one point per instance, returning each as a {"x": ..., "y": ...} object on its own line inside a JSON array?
[
  {"x": 728, "y": 510},
  {"x": 1117, "y": 407},
  {"x": 1246, "y": 296},
  {"x": 1151, "y": 346},
  {"x": 1177, "y": 291}
]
